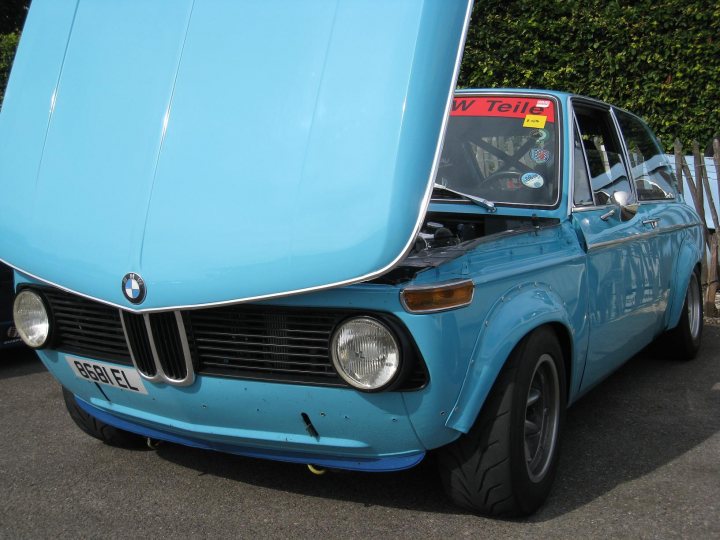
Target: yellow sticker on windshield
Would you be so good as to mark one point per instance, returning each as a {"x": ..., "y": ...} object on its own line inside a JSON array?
[{"x": 535, "y": 121}]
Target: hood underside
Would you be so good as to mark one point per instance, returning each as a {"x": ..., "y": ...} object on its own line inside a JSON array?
[{"x": 223, "y": 150}]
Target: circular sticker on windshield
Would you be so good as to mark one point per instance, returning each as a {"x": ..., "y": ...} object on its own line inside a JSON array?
[
  {"x": 540, "y": 155},
  {"x": 532, "y": 180}
]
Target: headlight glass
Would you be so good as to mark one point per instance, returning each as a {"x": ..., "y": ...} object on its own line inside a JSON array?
[
  {"x": 365, "y": 353},
  {"x": 31, "y": 318}
]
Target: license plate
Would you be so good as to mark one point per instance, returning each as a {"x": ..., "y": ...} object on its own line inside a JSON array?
[{"x": 115, "y": 376}]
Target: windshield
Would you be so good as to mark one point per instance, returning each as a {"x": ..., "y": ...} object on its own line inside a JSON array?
[{"x": 502, "y": 148}]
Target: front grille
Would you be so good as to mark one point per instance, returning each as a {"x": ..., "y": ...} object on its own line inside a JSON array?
[
  {"x": 277, "y": 344},
  {"x": 86, "y": 328},
  {"x": 139, "y": 342},
  {"x": 262, "y": 343},
  {"x": 168, "y": 345}
]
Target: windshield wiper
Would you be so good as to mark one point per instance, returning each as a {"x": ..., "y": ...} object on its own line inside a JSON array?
[{"x": 487, "y": 205}]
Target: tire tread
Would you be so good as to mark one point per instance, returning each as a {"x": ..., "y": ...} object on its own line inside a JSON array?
[{"x": 100, "y": 430}]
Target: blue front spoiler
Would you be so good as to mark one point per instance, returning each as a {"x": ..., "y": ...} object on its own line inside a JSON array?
[{"x": 386, "y": 464}]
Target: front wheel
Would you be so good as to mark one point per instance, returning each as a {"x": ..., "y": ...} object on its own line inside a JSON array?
[
  {"x": 98, "y": 429},
  {"x": 505, "y": 465}
]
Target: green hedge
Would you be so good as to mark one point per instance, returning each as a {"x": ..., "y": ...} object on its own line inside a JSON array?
[
  {"x": 659, "y": 59},
  {"x": 8, "y": 43}
]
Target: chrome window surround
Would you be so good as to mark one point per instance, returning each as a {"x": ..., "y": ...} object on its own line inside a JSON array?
[{"x": 559, "y": 158}]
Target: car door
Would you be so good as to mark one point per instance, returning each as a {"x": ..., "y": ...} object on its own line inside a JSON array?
[
  {"x": 622, "y": 266},
  {"x": 661, "y": 216}
]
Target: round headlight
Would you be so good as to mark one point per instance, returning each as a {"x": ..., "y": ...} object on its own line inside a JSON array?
[
  {"x": 365, "y": 353},
  {"x": 31, "y": 318}
]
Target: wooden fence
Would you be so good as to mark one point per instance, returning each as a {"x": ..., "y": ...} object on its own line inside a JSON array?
[{"x": 701, "y": 195}]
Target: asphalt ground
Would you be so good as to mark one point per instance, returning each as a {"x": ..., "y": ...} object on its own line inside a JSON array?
[{"x": 640, "y": 459}]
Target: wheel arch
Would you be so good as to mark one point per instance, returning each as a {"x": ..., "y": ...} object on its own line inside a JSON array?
[
  {"x": 518, "y": 313},
  {"x": 688, "y": 261}
]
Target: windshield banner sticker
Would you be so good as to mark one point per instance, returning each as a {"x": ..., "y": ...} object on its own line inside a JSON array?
[{"x": 535, "y": 112}]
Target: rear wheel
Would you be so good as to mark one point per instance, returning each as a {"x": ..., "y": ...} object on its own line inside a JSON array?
[
  {"x": 684, "y": 340},
  {"x": 100, "y": 430},
  {"x": 505, "y": 465}
]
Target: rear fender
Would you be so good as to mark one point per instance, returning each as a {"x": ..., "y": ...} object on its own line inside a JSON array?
[
  {"x": 688, "y": 258},
  {"x": 514, "y": 315}
]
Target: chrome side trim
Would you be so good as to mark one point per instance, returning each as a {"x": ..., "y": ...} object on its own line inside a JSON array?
[
  {"x": 640, "y": 236},
  {"x": 411, "y": 241},
  {"x": 579, "y": 209}
]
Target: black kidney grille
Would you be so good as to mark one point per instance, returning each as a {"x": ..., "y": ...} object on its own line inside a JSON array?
[
  {"x": 86, "y": 328},
  {"x": 139, "y": 343},
  {"x": 168, "y": 346}
]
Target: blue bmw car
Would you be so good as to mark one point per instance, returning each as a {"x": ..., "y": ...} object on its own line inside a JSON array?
[{"x": 311, "y": 249}]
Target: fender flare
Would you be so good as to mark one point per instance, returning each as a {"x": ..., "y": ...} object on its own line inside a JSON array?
[
  {"x": 517, "y": 313},
  {"x": 688, "y": 258}
]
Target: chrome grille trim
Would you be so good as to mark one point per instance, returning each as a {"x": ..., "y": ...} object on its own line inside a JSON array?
[{"x": 160, "y": 374}]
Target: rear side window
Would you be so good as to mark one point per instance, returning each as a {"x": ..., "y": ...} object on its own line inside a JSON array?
[
  {"x": 603, "y": 153},
  {"x": 582, "y": 195},
  {"x": 650, "y": 170}
]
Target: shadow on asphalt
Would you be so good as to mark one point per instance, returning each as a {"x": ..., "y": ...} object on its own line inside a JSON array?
[
  {"x": 17, "y": 362},
  {"x": 647, "y": 414}
]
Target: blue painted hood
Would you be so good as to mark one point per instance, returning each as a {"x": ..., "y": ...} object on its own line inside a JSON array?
[{"x": 224, "y": 150}]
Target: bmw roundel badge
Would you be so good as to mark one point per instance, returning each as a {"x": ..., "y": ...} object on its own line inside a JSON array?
[{"x": 133, "y": 288}]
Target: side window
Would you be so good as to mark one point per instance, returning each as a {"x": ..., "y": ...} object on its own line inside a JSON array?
[
  {"x": 581, "y": 180},
  {"x": 651, "y": 172},
  {"x": 603, "y": 153}
]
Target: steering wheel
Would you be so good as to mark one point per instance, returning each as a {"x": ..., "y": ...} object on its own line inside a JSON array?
[{"x": 499, "y": 176}]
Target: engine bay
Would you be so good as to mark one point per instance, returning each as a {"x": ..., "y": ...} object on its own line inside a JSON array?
[{"x": 447, "y": 236}]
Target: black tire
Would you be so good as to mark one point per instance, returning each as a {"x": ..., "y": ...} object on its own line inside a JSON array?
[
  {"x": 100, "y": 430},
  {"x": 486, "y": 470},
  {"x": 683, "y": 341}
]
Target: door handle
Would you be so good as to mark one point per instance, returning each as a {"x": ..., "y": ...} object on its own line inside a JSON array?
[
  {"x": 652, "y": 222},
  {"x": 608, "y": 215}
]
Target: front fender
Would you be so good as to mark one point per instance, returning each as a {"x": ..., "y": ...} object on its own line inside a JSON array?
[
  {"x": 518, "y": 312},
  {"x": 688, "y": 257}
]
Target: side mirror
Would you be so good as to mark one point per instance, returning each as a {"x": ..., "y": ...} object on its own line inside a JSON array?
[{"x": 627, "y": 211}]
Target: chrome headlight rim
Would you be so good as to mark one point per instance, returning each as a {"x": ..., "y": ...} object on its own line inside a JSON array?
[
  {"x": 395, "y": 379},
  {"x": 22, "y": 293}
]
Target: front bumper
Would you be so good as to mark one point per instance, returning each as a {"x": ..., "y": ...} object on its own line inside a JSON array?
[
  {"x": 350, "y": 429},
  {"x": 378, "y": 464},
  {"x": 356, "y": 431}
]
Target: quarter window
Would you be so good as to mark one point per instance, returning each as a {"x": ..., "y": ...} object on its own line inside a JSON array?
[{"x": 581, "y": 181}]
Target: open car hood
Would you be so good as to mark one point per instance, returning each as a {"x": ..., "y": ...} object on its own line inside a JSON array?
[{"x": 225, "y": 151}]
